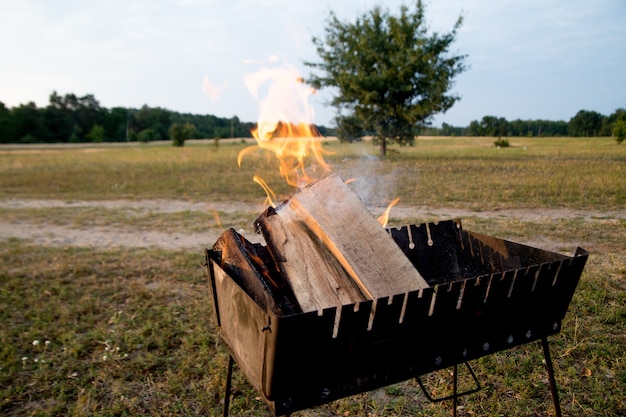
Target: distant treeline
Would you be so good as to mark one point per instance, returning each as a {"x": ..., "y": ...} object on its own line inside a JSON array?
[
  {"x": 70, "y": 118},
  {"x": 584, "y": 124},
  {"x": 82, "y": 119}
]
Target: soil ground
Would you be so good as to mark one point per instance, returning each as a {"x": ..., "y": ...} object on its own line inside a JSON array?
[{"x": 102, "y": 237}]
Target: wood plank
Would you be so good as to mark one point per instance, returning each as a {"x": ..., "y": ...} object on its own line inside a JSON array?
[
  {"x": 316, "y": 277},
  {"x": 336, "y": 216}
]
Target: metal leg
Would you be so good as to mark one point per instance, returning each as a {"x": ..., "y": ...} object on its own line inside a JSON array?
[
  {"x": 454, "y": 387},
  {"x": 455, "y": 394},
  {"x": 229, "y": 377},
  {"x": 553, "y": 388}
]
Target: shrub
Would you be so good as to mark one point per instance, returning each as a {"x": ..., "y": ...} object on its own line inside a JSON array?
[
  {"x": 180, "y": 132},
  {"x": 619, "y": 131},
  {"x": 28, "y": 138},
  {"x": 96, "y": 134},
  {"x": 501, "y": 143},
  {"x": 148, "y": 135}
]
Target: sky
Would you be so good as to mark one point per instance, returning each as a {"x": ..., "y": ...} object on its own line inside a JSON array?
[{"x": 527, "y": 59}]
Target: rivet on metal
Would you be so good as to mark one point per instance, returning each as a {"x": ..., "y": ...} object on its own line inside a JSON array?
[
  {"x": 411, "y": 243},
  {"x": 430, "y": 239}
]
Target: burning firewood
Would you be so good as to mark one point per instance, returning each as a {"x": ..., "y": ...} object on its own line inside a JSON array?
[
  {"x": 255, "y": 271},
  {"x": 318, "y": 280},
  {"x": 332, "y": 251}
]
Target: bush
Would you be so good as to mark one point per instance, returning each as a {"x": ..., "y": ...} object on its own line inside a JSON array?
[
  {"x": 75, "y": 137},
  {"x": 148, "y": 135},
  {"x": 619, "y": 131},
  {"x": 501, "y": 143},
  {"x": 28, "y": 138},
  {"x": 96, "y": 134},
  {"x": 180, "y": 132}
]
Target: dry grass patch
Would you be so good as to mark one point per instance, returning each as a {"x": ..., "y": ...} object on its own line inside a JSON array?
[{"x": 461, "y": 172}]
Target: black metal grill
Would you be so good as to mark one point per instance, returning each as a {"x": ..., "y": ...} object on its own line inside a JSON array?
[{"x": 486, "y": 295}]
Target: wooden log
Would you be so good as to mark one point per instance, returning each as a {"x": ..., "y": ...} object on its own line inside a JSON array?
[
  {"x": 335, "y": 215},
  {"x": 317, "y": 279},
  {"x": 254, "y": 270}
]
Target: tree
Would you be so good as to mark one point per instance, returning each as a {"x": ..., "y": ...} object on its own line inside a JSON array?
[
  {"x": 179, "y": 132},
  {"x": 609, "y": 122},
  {"x": 115, "y": 121},
  {"x": 349, "y": 129},
  {"x": 154, "y": 118},
  {"x": 475, "y": 129},
  {"x": 76, "y": 135},
  {"x": 388, "y": 72},
  {"x": 494, "y": 126},
  {"x": 7, "y": 132},
  {"x": 27, "y": 123},
  {"x": 60, "y": 118},
  {"x": 585, "y": 123},
  {"x": 619, "y": 131},
  {"x": 96, "y": 134},
  {"x": 66, "y": 117},
  {"x": 618, "y": 114}
]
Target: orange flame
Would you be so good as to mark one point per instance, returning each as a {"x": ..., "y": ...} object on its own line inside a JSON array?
[
  {"x": 384, "y": 218},
  {"x": 285, "y": 126},
  {"x": 271, "y": 196},
  {"x": 216, "y": 216}
]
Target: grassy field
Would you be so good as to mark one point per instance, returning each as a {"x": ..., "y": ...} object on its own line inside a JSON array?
[
  {"x": 464, "y": 172},
  {"x": 119, "y": 331}
]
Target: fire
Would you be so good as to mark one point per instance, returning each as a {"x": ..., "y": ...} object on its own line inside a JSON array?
[
  {"x": 285, "y": 127},
  {"x": 271, "y": 196},
  {"x": 216, "y": 216},
  {"x": 384, "y": 218}
]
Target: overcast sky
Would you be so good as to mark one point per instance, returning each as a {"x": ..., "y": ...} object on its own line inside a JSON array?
[{"x": 529, "y": 59}]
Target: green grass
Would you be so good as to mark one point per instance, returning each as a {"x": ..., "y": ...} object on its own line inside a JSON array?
[
  {"x": 127, "y": 332},
  {"x": 130, "y": 330}
]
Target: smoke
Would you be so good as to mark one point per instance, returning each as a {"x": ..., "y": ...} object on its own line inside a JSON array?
[{"x": 371, "y": 179}]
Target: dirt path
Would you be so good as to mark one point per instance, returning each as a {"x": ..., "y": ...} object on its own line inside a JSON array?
[
  {"x": 98, "y": 236},
  {"x": 115, "y": 237}
]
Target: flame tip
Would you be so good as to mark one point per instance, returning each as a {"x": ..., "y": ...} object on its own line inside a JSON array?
[
  {"x": 284, "y": 126},
  {"x": 384, "y": 218}
]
